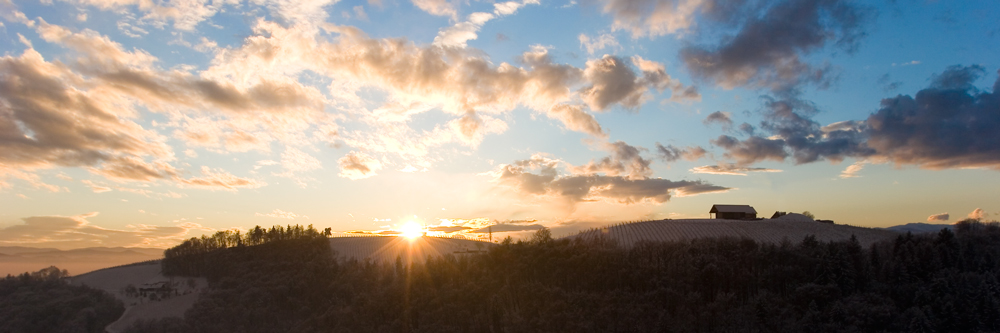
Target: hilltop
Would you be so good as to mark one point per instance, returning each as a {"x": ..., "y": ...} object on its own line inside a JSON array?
[{"x": 792, "y": 227}]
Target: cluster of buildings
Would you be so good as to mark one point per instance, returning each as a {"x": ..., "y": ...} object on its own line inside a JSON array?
[{"x": 743, "y": 212}]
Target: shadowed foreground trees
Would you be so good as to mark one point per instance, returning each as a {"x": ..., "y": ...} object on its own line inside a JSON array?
[
  {"x": 938, "y": 282},
  {"x": 44, "y": 302}
]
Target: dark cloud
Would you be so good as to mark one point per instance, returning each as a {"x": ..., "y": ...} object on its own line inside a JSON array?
[
  {"x": 790, "y": 119},
  {"x": 44, "y": 121},
  {"x": 769, "y": 47},
  {"x": 729, "y": 169},
  {"x": 503, "y": 227},
  {"x": 886, "y": 85},
  {"x": 448, "y": 229},
  {"x": 625, "y": 160},
  {"x": 752, "y": 150},
  {"x": 670, "y": 153},
  {"x": 574, "y": 189},
  {"x": 613, "y": 81},
  {"x": 951, "y": 124},
  {"x": 719, "y": 117}
]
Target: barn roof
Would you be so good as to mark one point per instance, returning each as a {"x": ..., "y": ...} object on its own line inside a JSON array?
[{"x": 733, "y": 209}]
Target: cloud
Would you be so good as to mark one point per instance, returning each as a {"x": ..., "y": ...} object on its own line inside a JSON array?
[
  {"x": 947, "y": 125},
  {"x": 614, "y": 82},
  {"x": 938, "y": 217},
  {"x": 186, "y": 15},
  {"x": 729, "y": 169},
  {"x": 280, "y": 214},
  {"x": 887, "y": 86},
  {"x": 652, "y": 17},
  {"x": 438, "y": 7},
  {"x": 462, "y": 32},
  {"x": 670, "y": 154},
  {"x": 593, "y": 44},
  {"x": 506, "y": 227},
  {"x": 448, "y": 229},
  {"x": 789, "y": 122},
  {"x": 977, "y": 214},
  {"x": 852, "y": 170},
  {"x": 625, "y": 160},
  {"x": 295, "y": 160},
  {"x": 719, "y": 117},
  {"x": 82, "y": 114},
  {"x": 574, "y": 189},
  {"x": 357, "y": 165},
  {"x": 575, "y": 119},
  {"x": 46, "y": 122},
  {"x": 950, "y": 124},
  {"x": 771, "y": 41},
  {"x": 77, "y": 232},
  {"x": 655, "y": 76},
  {"x": 96, "y": 188},
  {"x": 752, "y": 150},
  {"x": 459, "y": 81},
  {"x": 130, "y": 168},
  {"x": 219, "y": 179},
  {"x": 472, "y": 127}
]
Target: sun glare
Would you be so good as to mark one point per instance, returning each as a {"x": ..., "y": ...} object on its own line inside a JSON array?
[{"x": 411, "y": 230}]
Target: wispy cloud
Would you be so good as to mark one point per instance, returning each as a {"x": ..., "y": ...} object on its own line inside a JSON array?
[
  {"x": 280, "y": 214},
  {"x": 77, "y": 232},
  {"x": 729, "y": 169}
]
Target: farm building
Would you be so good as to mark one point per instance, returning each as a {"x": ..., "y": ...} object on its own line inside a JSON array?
[{"x": 733, "y": 212}]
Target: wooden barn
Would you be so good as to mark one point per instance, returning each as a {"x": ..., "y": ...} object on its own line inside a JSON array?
[{"x": 733, "y": 212}]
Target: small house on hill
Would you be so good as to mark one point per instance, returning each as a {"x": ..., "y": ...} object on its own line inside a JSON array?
[
  {"x": 778, "y": 214},
  {"x": 733, "y": 212}
]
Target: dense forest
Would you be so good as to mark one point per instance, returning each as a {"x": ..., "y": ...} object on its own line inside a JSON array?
[
  {"x": 943, "y": 282},
  {"x": 227, "y": 252},
  {"x": 44, "y": 302}
]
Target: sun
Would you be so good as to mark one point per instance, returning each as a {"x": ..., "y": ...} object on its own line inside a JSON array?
[{"x": 411, "y": 230}]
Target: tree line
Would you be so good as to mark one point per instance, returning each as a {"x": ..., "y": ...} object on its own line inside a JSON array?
[
  {"x": 939, "y": 282},
  {"x": 192, "y": 257},
  {"x": 44, "y": 301}
]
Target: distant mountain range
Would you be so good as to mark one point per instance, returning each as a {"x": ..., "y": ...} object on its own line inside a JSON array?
[
  {"x": 919, "y": 228},
  {"x": 19, "y": 259}
]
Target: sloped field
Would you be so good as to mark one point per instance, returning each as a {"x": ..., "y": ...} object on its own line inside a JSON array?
[
  {"x": 765, "y": 231},
  {"x": 387, "y": 248},
  {"x": 114, "y": 281}
]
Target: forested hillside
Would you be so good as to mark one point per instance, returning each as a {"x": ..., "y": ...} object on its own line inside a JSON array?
[
  {"x": 44, "y": 302},
  {"x": 944, "y": 282}
]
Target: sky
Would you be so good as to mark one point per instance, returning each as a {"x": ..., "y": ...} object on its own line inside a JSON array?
[{"x": 146, "y": 122}]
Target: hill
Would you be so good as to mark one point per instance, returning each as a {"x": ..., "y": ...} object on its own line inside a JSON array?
[
  {"x": 793, "y": 228},
  {"x": 180, "y": 295}
]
